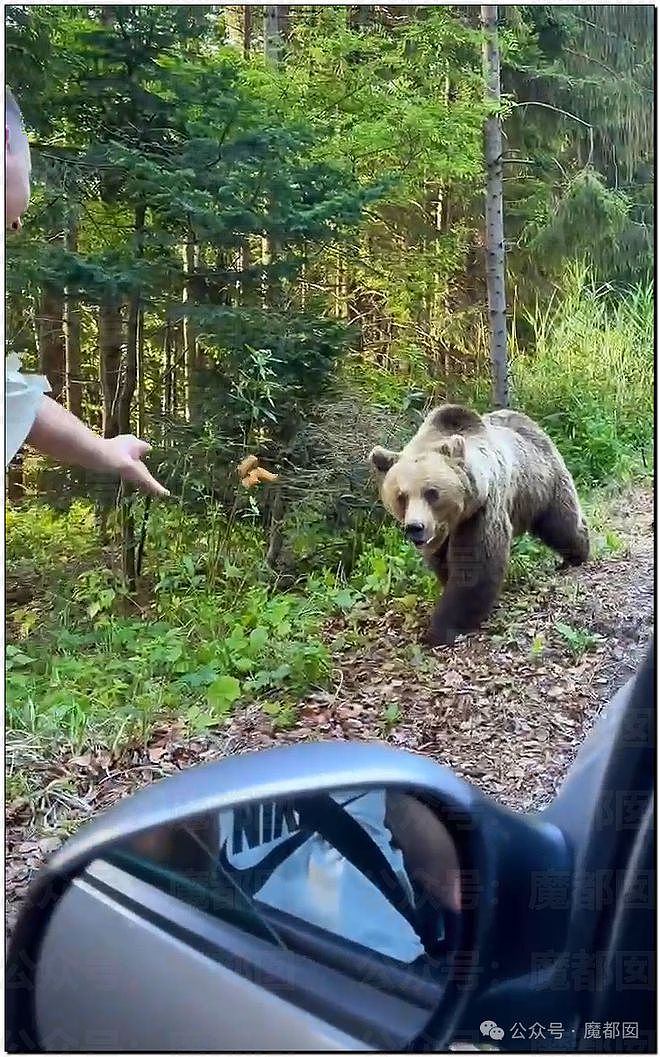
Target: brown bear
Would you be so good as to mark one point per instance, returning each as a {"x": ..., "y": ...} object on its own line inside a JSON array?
[{"x": 463, "y": 488}]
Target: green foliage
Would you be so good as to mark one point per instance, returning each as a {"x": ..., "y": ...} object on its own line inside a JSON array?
[
  {"x": 155, "y": 121},
  {"x": 391, "y": 567},
  {"x": 344, "y": 183},
  {"x": 268, "y": 378},
  {"x": 94, "y": 670},
  {"x": 302, "y": 247},
  {"x": 618, "y": 248},
  {"x": 582, "y": 78},
  {"x": 578, "y": 640},
  {"x": 39, "y": 535},
  {"x": 529, "y": 559},
  {"x": 589, "y": 378},
  {"x": 391, "y": 716}
]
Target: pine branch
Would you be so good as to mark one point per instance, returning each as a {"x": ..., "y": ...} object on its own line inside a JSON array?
[{"x": 565, "y": 113}]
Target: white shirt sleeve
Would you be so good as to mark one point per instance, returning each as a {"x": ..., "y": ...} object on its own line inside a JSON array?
[{"x": 23, "y": 393}]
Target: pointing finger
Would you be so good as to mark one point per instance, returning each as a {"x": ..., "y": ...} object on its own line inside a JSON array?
[{"x": 138, "y": 473}]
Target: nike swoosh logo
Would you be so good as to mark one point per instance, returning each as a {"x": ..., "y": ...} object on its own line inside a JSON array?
[{"x": 252, "y": 878}]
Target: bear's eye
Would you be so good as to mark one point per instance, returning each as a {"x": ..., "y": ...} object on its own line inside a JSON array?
[
  {"x": 402, "y": 499},
  {"x": 431, "y": 495}
]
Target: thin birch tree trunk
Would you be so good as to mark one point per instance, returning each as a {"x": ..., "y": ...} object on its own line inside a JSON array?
[{"x": 495, "y": 260}]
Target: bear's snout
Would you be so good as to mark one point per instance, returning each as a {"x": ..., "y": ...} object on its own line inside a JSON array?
[{"x": 416, "y": 532}]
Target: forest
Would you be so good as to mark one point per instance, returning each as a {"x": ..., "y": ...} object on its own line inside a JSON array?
[{"x": 260, "y": 230}]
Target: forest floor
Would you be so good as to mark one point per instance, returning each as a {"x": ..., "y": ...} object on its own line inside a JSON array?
[{"x": 507, "y": 709}]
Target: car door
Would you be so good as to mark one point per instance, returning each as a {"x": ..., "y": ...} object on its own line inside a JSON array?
[{"x": 217, "y": 970}]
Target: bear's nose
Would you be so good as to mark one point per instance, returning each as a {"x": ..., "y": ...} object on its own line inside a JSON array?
[{"x": 415, "y": 531}]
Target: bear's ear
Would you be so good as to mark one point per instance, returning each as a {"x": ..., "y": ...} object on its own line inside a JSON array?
[
  {"x": 453, "y": 448},
  {"x": 453, "y": 418},
  {"x": 383, "y": 460}
]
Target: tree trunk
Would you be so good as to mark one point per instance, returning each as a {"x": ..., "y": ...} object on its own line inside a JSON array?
[
  {"x": 110, "y": 346},
  {"x": 52, "y": 343},
  {"x": 276, "y": 22},
  {"x": 191, "y": 357},
  {"x": 128, "y": 548},
  {"x": 74, "y": 378},
  {"x": 247, "y": 30},
  {"x": 140, "y": 376},
  {"x": 129, "y": 382},
  {"x": 186, "y": 336},
  {"x": 275, "y": 18},
  {"x": 175, "y": 360},
  {"x": 275, "y": 518},
  {"x": 359, "y": 15},
  {"x": 495, "y": 263},
  {"x": 276, "y": 27},
  {"x": 166, "y": 383},
  {"x": 238, "y": 20}
]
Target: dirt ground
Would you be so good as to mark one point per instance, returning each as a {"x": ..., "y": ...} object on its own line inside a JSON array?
[{"x": 506, "y": 709}]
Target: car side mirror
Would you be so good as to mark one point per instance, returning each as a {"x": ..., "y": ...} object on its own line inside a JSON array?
[{"x": 309, "y": 875}]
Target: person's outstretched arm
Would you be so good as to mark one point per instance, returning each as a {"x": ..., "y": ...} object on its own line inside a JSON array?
[{"x": 62, "y": 437}]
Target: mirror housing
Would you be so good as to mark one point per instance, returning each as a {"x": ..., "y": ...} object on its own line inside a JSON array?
[{"x": 498, "y": 853}]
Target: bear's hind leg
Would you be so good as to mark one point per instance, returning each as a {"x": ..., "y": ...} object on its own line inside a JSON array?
[
  {"x": 477, "y": 559},
  {"x": 562, "y": 528}
]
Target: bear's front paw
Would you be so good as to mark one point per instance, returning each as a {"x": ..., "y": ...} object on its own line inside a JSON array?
[{"x": 439, "y": 635}]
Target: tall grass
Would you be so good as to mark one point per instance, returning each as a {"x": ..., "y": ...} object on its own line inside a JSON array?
[{"x": 588, "y": 377}]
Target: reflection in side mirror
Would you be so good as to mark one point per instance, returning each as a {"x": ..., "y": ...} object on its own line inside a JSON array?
[
  {"x": 374, "y": 867},
  {"x": 346, "y": 900}
]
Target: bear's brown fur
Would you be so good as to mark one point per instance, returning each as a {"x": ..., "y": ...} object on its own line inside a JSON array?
[{"x": 463, "y": 488}]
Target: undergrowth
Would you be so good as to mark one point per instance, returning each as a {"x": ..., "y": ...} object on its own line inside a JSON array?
[
  {"x": 211, "y": 627},
  {"x": 87, "y": 664}
]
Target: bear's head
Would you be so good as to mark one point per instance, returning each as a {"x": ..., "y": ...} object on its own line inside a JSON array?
[{"x": 427, "y": 490}]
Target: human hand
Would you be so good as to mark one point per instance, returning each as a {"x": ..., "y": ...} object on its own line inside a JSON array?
[{"x": 123, "y": 456}]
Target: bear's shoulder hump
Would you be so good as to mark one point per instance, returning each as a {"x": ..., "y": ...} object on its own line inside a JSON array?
[{"x": 454, "y": 418}]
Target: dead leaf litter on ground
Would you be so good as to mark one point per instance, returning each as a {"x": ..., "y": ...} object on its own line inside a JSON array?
[{"x": 507, "y": 711}]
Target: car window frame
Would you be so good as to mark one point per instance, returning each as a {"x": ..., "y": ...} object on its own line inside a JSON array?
[{"x": 607, "y": 763}]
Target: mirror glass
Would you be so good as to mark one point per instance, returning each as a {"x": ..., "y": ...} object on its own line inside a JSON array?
[{"x": 360, "y": 871}]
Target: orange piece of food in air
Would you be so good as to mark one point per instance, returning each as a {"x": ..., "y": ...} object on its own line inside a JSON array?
[{"x": 248, "y": 463}]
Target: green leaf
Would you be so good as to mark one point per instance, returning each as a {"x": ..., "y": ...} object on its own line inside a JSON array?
[
  {"x": 205, "y": 676},
  {"x": 392, "y": 713},
  {"x": 199, "y": 721},
  {"x": 223, "y": 692},
  {"x": 16, "y": 658},
  {"x": 259, "y": 638}
]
